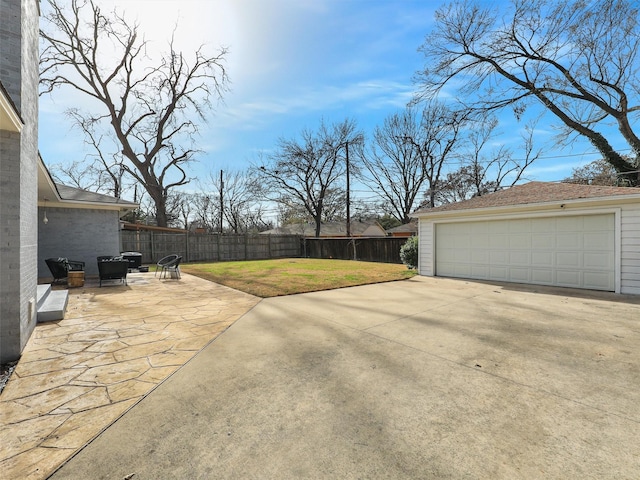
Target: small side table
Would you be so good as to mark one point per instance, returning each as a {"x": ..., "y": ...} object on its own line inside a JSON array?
[{"x": 75, "y": 278}]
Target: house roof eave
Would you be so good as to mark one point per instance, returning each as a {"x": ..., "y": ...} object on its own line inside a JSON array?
[
  {"x": 9, "y": 117},
  {"x": 531, "y": 207}
]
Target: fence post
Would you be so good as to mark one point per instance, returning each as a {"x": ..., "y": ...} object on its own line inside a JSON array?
[
  {"x": 153, "y": 247},
  {"x": 186, "y": 245}
]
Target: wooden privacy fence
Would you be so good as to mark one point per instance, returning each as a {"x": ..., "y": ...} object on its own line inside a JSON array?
[
  {"x": 374, "y": 249},
  {"x": 218, "y": 248},
  {"x": 209, "y": 247}
]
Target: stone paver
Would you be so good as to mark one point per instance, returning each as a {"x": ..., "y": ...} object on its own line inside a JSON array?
[{"x": 116, "y": 344}]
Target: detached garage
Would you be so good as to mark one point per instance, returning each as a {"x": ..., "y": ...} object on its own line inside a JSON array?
[{"x": 558, "y": 234}]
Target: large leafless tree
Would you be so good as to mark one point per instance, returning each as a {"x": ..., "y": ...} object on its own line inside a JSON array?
[
  {"x": 486, "y": 168},
  {"x": 409, "y": 155},
  {"x": 304, "y": 170},
  {"x": 238, "y": 193},
  {"x": 142, "y": 113},
  {"x": 576, "y": 58}
]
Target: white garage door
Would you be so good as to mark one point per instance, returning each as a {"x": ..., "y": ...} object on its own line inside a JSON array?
[{"x": 573, "y": 251}]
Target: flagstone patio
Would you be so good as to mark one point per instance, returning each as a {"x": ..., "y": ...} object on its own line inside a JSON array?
[{"x": 116, "y": 344}]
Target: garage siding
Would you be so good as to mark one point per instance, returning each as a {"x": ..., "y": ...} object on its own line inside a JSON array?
[
  {"x": 425, "y": 248},
  {"x": 630, "y": 250}
]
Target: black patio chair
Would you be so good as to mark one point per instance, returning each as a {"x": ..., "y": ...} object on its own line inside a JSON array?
[
  {"x": 60, "y": 267},
  {"x": 170, "y": 264},
  {"x": 113, "y": 268},
  {"x": 163, "y": 262}
]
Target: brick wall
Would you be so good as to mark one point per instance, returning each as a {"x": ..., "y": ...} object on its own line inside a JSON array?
[
  {"x": 18, "y": 174},
  {"x": 78, "y": 234}
]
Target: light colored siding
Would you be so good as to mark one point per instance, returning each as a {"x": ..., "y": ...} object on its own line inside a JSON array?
[
  {"x": 425, "y": 248},
  {"x": 630, "y": 250}
]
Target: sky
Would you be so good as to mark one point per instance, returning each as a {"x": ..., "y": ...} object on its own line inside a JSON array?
[{"x": 293, "y": 63}]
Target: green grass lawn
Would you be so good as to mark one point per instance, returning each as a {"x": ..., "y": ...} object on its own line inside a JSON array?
[{"x": 271, "y": 278}]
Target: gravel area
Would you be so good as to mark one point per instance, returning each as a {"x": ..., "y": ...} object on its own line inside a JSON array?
[{"x": 6, "y": 370}]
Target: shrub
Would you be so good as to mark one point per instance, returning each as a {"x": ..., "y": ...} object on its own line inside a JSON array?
[{"x": 409, "y": 252}]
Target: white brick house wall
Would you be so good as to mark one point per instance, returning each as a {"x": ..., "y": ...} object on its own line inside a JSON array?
[{"x": 18, "y": 176}]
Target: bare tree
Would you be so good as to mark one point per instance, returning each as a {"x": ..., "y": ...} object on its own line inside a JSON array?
[
  {"x": 393, "y": 167},
  {"x": 206, "y": 211},
  {"x": 577, "y": 59},
  {"x": 442, "y": 130},
  {"x": 79, "y": 174},
  {"x": 241, "y": 193},
  {"x": 598, "y": 172},
  {"x": 409, "y": 154},
  {"x": 334, "y": 208},
  {"x": 483, "y": 171},
  {"x": 303, "y": 171},
  {"x": 145, "y": 114}
]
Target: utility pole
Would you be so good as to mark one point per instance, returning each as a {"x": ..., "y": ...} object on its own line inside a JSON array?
[
  {"x": 348, "y": 191},
  {"x": 351, "y": 239},
  {"x": 221, "y": 201}
]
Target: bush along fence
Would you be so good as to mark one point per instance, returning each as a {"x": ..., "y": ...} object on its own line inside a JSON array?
[
  {"x": 209, "y": 247},
  {"x": 219, "y": 248}
]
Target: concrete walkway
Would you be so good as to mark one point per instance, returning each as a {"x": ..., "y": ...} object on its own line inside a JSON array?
[
  {"x": 115, "y": 345},
  {"x": 425, "y": 378}
]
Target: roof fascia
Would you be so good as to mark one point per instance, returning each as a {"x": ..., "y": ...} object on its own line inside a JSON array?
[
  {"x": 527, "y": 207},
  {"x": 9, "y": 118}
]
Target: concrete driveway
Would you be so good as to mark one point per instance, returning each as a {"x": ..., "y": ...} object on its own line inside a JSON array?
[{"x": 425, "y": 378}]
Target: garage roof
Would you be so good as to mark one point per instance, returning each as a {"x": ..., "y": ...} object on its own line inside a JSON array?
[{"x": 536, "y": 193}]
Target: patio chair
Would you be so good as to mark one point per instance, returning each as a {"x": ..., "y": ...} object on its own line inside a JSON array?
[
  {"x": 171, "y": 266},
  {"x": 163, "y": 262},
  {"x": 113, "y": 269},
  {"x": 61, "y": 266}
]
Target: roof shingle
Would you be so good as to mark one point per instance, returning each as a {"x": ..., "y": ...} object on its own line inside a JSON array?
[{"x": 535, "y": 192}]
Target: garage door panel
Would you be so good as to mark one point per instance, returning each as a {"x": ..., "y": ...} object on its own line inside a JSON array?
[
  {"x": 542, "y": 258},
  {"x": 598, "y": 222},
  {"x": 480, "y": 256},
  {"x": 499, "y": 257},
  {"x": 597, "y": 261},
  {"x": 520, "y": 241},
  {"x": 481, "y": 241},
  {"x": 520, "y": 226},
  {"x": 597, "y": 280},
  {"x": 543, "y": 226},
  {"x": 569, "y": 259},
  {"x": 461, "y": 270},
  {"x": 498, "y": 227},
  {"x": 446, "y": 269},
  {"x": 542, "y": 241},
  {"x": 480, "y": 271},
  {"x": 479, "y": 228},
  {"x": 568, "y": 278},
  {"x": 599, "y": 240},
  {"x": 461, "y": 241},
  {"x": 542, "y": 276},
  {"x": 569, "y": 224},
  {"x": 447, "y": 256},
  {"x": 571, "y": 251},
  {"x": 569, "y": 241},
  {"x": 499, "y": 273},
  {"x": 498, "y": 241},
  {"x": 519, "y": 275},
  {"x": 520, "y": 257}
]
